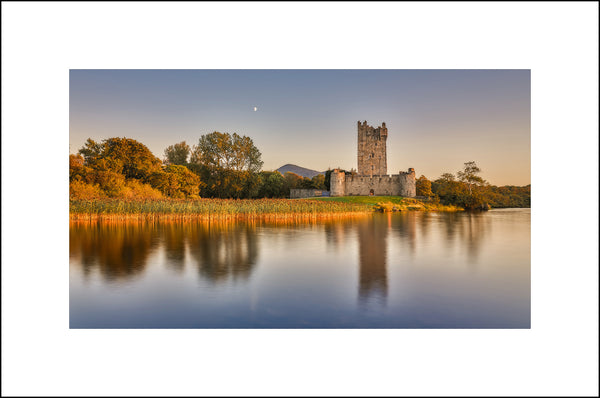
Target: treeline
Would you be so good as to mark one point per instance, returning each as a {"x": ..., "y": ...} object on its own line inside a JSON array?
[
  {"x": 226, "y": 165},
  {"x": 469, "y": 191},
  {"x": 221, "y": 165}
]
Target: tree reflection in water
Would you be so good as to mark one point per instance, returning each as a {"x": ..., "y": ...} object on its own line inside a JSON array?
[
  {"x": 174, "y": 235},
  {"x": 120, "y": 250},
  {"x": 223, "y": 250},
  {"x": 116, "y": 251},
  {"x": 467, "y": 230}
]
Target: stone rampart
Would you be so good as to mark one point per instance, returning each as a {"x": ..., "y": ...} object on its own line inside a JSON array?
[{"x": 297, "y": 193}]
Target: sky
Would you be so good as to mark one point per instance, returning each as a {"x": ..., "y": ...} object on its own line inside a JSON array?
[{"x": 437, "y": 119}]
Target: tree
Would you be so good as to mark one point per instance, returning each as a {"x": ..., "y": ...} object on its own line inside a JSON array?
[
  {"x": 447, "y": 177},
  {"x": 468, "y": 175},
  {"x": 189, "y": 183},
  {"x": 177, "y": 154},
  {"x": 176, "y": 181},
  {"x": 469, "y": 192},
  {"x": 77, "y": 170},
  {"x": 228, "y": 164},
  {"x": 423, "y": 186},
  {"x": 230, "y": 152},
  {"x": 121, "y": 155},
  {"x": 318, "y": 182},
  {"x": 251, "y": 183},
  {"x": 273, "y": 185},
  {"x": 448, "y": 189},
  {"x": 91, "y": 151},
  {"x": 292, "y": 180}
]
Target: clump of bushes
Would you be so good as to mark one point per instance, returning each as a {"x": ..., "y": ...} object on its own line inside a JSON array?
[
  {"x": 80, "y": 190},
  {"x": 386, "y": 207}
]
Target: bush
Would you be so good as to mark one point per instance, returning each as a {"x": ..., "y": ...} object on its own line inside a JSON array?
[
  {"x": 385, "y": 207},
  {"x": 81, "y": 190},
  {"x": 111, "y": 183},
  {"x": 176, "y": 182},
  {"x": 134, "y": 189}
]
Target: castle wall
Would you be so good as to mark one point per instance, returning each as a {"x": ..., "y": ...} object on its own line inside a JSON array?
[
  {"x": 372, "y": 153},
  {"x": 297, "y": 193},
  {"x": 403, "y": 184}
]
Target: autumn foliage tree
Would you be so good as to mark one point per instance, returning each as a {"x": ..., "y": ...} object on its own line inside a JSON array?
[
  {"x": 469, "y": 176},
  {"x": 176, "y": 182},
  {"x": 423, "y": 187},
  {"x": 125, "y": 156},
  {"x": 469, "y": 191},
  {"x": 228, "y": 164},
  {"x": 126, "y": 168},
  {"x": 177, "y": 154}
]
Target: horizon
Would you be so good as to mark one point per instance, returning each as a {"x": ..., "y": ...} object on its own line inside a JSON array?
[{"x": 437, "y": 119}]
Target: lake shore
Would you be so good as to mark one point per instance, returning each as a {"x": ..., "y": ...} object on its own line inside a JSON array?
[{"x": 231, "y": 209}]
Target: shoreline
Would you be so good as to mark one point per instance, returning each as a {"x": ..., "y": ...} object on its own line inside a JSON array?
[{"x": 245, "y": 209}]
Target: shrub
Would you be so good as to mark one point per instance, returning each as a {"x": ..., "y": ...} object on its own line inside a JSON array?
[
  {"x": 81, "y": 190},
  {"x": 134, "y": 189}
]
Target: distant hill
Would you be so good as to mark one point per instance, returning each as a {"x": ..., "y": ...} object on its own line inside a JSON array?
[{"x": 301, "y": 171}]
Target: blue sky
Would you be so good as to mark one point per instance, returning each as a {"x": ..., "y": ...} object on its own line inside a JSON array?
[{"x": 437, "y": 119}]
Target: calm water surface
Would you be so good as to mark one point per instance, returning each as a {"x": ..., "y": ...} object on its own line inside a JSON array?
[{"x": 402, "y": 270}]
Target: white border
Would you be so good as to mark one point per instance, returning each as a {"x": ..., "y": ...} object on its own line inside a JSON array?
[{"x": 557, "y": 41}]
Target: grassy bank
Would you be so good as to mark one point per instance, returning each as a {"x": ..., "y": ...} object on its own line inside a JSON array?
[
  {"x": 390, "y": 203},
  {"x": 225, "y": 209}
]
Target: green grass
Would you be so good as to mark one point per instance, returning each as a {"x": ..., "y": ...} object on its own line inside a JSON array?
[
  {"x": 368, "y": 200},
  {"x": 390, "y": 203}
]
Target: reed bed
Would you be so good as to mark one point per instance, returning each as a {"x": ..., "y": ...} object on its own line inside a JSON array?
[
  {"x": 212, "y": 209},
  {"x": 274, "y": 219}
]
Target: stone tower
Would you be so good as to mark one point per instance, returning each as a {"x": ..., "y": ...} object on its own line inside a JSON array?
[
  {"x": 372, "y": 154},
  {"x": 337, "y": 183}
]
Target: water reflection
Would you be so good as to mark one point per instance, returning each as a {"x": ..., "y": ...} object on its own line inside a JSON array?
[
  {"x": 115, "y": 251},
  {"x": 223, "y": 250},
  {"x": 467, "y": 230},
  {"x": 372, "y": 254},
  {"x": 119, "y": 251},
  {"x": 386, "y": 270},
  {"x": 175, "y": 245},
  {"x": 404, "y": 229}
]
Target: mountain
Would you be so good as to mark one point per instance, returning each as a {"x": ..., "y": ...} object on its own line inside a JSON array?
[{"x": 301, "y": 171}]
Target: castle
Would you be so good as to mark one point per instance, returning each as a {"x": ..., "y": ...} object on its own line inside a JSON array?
[{"x": 372, "y": 177}]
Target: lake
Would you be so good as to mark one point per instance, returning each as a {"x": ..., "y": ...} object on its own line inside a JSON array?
[{"x": 386, "y": 270}]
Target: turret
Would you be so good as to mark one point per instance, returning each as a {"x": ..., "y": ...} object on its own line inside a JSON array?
[
  {"x": 337, "y": 183},
  {"x": 411, "y": 183},
  {"x": 383, "y": 132}
]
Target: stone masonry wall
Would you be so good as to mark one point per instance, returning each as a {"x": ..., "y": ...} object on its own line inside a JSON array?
[
  {"x": 297, "y": 193},
  {"x": 372, "y": 154},
  {"x": 403, "y": 184}
]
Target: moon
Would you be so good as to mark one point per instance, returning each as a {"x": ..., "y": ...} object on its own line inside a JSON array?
[{"x": 255, "y": 109}]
